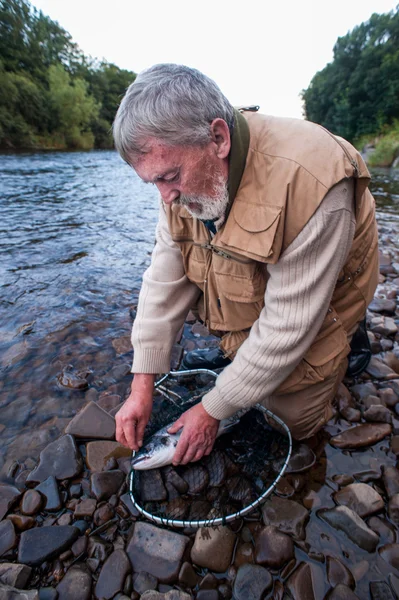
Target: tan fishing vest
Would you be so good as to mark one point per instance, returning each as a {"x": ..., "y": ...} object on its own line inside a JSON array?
[{"x": 290, "y": 167}]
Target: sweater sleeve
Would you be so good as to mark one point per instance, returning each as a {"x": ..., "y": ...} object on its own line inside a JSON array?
[
  {"x": 165, "y": 298},
  {"x": 297, "y": 297}
]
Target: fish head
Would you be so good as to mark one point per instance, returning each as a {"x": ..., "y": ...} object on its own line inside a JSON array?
[{"x": 157, "y": 453}]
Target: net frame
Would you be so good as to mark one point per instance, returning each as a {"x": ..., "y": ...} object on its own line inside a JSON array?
[{"x": 215, "y": 521}]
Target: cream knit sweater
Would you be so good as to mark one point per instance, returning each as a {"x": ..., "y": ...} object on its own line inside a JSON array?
[{"x": 299, "y": 289}]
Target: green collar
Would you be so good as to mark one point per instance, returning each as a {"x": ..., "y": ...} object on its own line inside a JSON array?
[{"x": 238, "y": 155}]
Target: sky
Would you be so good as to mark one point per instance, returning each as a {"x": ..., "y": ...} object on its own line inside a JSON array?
[{"x": 258, "y": 52}]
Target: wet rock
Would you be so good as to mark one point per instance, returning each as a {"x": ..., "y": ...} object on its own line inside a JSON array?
[
  {"x": 85, "y": 508},
  {"x": 45, "y": 543},
  {"x": 302, "y": 459},
  {"x": 390, "y": 553},
  {"x": 188, "y": 578},
  {"x": 300, "y": 583},
  {"x": 9, "y": 495},
  {"x": 394, "y": 583},
  {"x": 122, "y": 345},
  {"x": 378, "y": 414},
  {"x": 361, "y": 498},
  {"x": 22, "y": 523},
  {"x": 72, "y": 379},
  {"x": 49, "y": 489},
  {"x": 390, "y": 478},
  {"x": 106, "y": 483},
  {"x": 381, "y": 305},
  {"x": 338, "y": 573},
  {"x": 172, "y": 477},
  {"x": 109, "y": 401},
  {"x": 213, "y": 548},
  {"x": 98, "y": 453},
  {"x": 98, "y": 548},
  {"x": 379, "y": 370},
  {"x": 344, "y": 519},
  {"x": 288, "y": 516},
  {"x": 170, "y": 595},
  {"x": 112, "y": 576},
  {"x": 152, "y": 488},
  {"x": 127, "y": 503},
  {"x": 197, "y": 479},
  {"x": 143, "y": 582},
  {"x": 76, "y": 584},
  {"x": 253, "y": 582},
  {"x": 103, "y": 514},
  {"x": 92, "y": 422},
  {"x": 341, "y": 592},
  {"x": 284, "y": 488},
  {"x": 395, "y": 444},
  {"x": 7, "y": 592},
  {"x": 61, "y": 459},
  {"x": 8, "y": 538},
  {"x": 31, "y": 502},
  {"x": 273, "y": 549},
  {"x": 362, "y": 390},
  {"x": 342, "y": 479},
  {"x": 370, "y": 401},
  {"x": 380, "y": 590},
  {"x": 361, "y": 435},
  {"x": 393, "y": 509},
  {"x": 80, "y": 546},
  {"x": 15, "y": 575},
  {"x": 48, "y": 593},
  {"x": 383, "y": 529},
  {"x": 156, "y": 551}
]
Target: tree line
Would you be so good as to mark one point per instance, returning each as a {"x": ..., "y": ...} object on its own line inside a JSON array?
[
  {"x": 51, "y": 94},
  {"x": 357, "y": 95}
]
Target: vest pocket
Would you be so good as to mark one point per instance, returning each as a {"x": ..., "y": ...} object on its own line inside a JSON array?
[
  {"x": 323, "y": 358},
  {"x": 243, "y": 282}
]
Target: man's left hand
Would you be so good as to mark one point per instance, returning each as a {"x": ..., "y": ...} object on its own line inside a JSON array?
[{"x": 198, "y": 435}]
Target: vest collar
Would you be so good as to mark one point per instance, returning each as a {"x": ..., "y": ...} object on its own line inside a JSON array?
[{"x": 238, "y": 155}]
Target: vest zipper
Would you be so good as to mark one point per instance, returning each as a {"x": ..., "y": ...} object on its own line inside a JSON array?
[{"x": 222, "y": 253}]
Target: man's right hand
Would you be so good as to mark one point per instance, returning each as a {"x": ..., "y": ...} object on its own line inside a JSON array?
[{"x": 134, "y": 415}]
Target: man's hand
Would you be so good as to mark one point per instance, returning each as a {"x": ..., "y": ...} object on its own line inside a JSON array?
[
  {"x": 133, "y": 417},
  {"x": 198, "y": 435}
]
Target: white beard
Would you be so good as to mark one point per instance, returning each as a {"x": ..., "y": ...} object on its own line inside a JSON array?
[{"x": 208, "y": 207}]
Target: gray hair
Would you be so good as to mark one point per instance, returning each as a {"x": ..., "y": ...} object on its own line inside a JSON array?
[{"x": 173, "y": 103}]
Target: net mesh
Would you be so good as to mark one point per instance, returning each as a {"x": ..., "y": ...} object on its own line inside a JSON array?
[{"x": 241, "y": 471}]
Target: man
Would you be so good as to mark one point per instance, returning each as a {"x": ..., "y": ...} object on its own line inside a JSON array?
[{"x": 267, "y": 227}]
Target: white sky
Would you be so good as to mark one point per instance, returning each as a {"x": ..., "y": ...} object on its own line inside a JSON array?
[{"x": 258, "y": 52}]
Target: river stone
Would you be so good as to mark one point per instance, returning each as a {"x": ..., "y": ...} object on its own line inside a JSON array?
[
  {"x": 337, "y": 573},
  {"x": 49, "y": 489},
  {"x": 383, "y": 528},
  {"x": 394, "y": 583},
  {"x": 152, "y": 488},
  {"x": 341, "y": 592},
  {"x": 213, "y": 548},
  {"x": 390, "y": 553},
  {"x": 171, "y": 595},
  {"x": 273, "y": 549},
  {"x": 157, "y": 551},
  {"x": 379, "y": 370},
  {"x": 197, "y": 478},
  {"x": 112, "y": 576},
  {"x": 48, "y": 593},
  {"x": 361, "y": 498},
  {"x": 362, "y": 435},
  {"x": 346, "y": 520},
  {"x": 76, "y": 584},
  {"x": 98, "y": 453},
  {"x": 390, "y": 477},
  {"x": 145, "y": 581},
  {"x": 252, "y": 582},
  {"x": 380, "y": 590},
  {"x": 7, "y": 592},
  {"x": 378, "y": 414},
  {"x": 393, "y": 509},
  {"x": 300, "y": 583},
  {"x": 61, "y": 459},
  {"x": 8, "y": 538},
  {"x": 14, "y": 574},
  {"x": 31, "y": 502},
  {"x": 85, "y": 508},
  {"x": 388, "y": 397},
  {"x": 8, "y": 496},
  {"x": 362, "y": 390},
  {"x": 382, "y": 305},
  {"x": 22, "y": 523},
  {"x": 44, "y": 543},
  {"x": 188, "y": 578},
  {"x": 106, "y": 483},
  {"x": 302, "y": 459},
  {"x": 288, "y": 516},
  {"x": 92, "y": 422}
]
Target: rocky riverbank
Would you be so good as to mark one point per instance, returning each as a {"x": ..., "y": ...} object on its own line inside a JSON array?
[{"x": 68, "y": 529}]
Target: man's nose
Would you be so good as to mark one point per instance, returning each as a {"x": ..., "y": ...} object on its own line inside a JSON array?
[{"x": 168, "y": 194}]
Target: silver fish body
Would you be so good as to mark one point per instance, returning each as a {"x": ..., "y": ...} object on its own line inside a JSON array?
[{"x": 160, "y": 448}]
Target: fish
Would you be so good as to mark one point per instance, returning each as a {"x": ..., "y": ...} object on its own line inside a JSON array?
[{"x": 160, "y": 448}]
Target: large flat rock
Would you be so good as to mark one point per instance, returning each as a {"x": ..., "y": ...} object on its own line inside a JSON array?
[
  {"x": 92, "y": 422},
  {"x": 14, "y": 574},
  {"x": 99, "y": 453},
  {"x": 252, "y": 582},
  {"x": 44, "y": 543},
  {"x": 344, "y": 519},
  {"x": 361, "y": 498},
  {"x": 76, "y": 584},
  {"x": 362, "y": 435},
  {"x": 61, "y": 459},
  {"x": 286, "y": 515},
  {"x": 157, "y": 551},
  {"x": 113, "y": 574},
  {"x": 213, "y": 548}
]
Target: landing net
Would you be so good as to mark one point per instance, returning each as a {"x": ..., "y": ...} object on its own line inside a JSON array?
[{"x": 242, "y": 470}]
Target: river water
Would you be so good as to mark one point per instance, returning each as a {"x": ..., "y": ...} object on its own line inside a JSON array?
[{"x": 76, "y": 233}]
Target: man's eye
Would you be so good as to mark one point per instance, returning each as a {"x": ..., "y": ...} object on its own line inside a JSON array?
[{"x": 172, "y": 179}]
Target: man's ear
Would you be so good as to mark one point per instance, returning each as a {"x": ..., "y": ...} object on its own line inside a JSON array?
[{"x": 221, "y": 137}]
